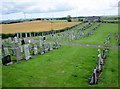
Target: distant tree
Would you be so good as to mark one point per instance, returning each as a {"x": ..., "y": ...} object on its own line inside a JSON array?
[{"x": 69, "y": 18}]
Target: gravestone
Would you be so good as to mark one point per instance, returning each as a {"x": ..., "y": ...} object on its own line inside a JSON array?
[
  {"x": 99, "y": 67},
  {"x": 18, "y": 54},
  {"x": 98, "y": 51},
  {"x": 13, "y": 48},
  {"x": 51, "y": 46},
  {"x": 27, "y": 52},
  {"x": 9, "y": 40},
  {"x": 35, "y": 50},
  {"x": 6, "y": 51},
  {"x": 56, "y": 45},
  {"x": 6, "y": 60},
  {"x": 41, "y": 50},
  {"x": 45, "y": 47},
  {"x": 41, "y": 47},
  {"x": 20, "y": 47},
  {"x": 104, "y": 54},
  {"x": 15, "y": 39},
  {"x": 100, "y": 58},
  {"x": 93, "y": 79}
]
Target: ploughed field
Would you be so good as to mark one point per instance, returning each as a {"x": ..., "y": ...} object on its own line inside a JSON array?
[{"x": 35, "y": 26}]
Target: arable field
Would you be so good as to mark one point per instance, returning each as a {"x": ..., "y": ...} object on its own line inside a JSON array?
[{"x": 35, "y": 26}]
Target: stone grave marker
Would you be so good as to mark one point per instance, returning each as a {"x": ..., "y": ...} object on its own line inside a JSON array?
[
  {"x": 51, "y": 46},
  {"x": 35, "y": 49},
  {"x": 6, "y": 51},
  {"x": 6, "y": 60},
  {"x": 45, "y": 47},
  {"x": 27, "y": 52},
  {"x": 18, "y": 54}
]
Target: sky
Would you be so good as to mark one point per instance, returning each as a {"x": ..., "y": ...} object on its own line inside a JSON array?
[{"x": 20, "y": 9}]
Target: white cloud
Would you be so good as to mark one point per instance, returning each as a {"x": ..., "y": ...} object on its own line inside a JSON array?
[{"x": 60, "y": 8}]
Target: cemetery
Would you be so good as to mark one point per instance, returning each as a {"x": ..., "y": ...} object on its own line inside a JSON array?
[{"x": 51, "y": 60}]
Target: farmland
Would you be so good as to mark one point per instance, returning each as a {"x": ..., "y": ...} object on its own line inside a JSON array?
[{"x": 35, "y": 26}]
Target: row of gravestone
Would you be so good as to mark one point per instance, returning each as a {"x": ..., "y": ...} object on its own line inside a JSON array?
[
  {"x": 68, "y": 34},
  {"x": 25, "y": 49},
  {"x": 108, "y": 39},
  {"x": 94, "y": 78},
  {"x": 75, "y": 33},
  {"x": 117, "y": 38}
]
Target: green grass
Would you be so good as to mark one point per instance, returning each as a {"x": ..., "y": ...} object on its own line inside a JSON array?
[
  {"x": 100, "y": 35},
  {"x": 58, "y": 68}
]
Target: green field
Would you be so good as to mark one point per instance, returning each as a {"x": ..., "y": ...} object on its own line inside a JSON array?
[
  {"x": 69, "y": 66},
  {"x": 100, "y": 35}
]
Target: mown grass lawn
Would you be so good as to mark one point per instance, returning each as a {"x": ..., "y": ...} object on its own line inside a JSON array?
[
  {"x": 69, "y": 66},
  {"x": 100, "y": 35}
]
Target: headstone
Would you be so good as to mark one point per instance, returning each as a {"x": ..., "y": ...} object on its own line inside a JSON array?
[
  {"x": 45, "y": 47},
  {"x": 15, "y": 39},
  {"x": 27, "y": 52},
  {"x": 6, "y": 60},
  {"x": 9, "y": 39},
  {"x": 18, "y": 54},
  {"x": 93, "y": 78},
  {"x": 51, "y": 46},
  {"x": 98, "y": 51},
  {"x": 41, "y": 50},
  {"x": 98, "y": 68},
  {"x": 6, "y": 51},
  {"x": 41, "y": 47},
  {"x": 35, "y": 49},
  {"x": 100, "y": 58},
  {"x": 13, "y": 48},
  {"x": 56, "y": 45}
]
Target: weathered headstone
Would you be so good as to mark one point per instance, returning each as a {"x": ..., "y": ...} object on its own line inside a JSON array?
[
  {"x": 51, "y": 46},
  {"x": 27, "y": 52},
  {"x": 15, "y": 39},
  {"x": 100, "y": 58},
  {"x": 45, "y": 47},
  {"x": 35, "y": 49},
  {"x": 6, "y": 51},
  {"x": 18, "y": 54},
  {"x": 93, "y": 79}
]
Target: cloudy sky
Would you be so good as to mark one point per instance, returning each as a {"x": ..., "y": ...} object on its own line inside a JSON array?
[{"x": 19, "y": 9}]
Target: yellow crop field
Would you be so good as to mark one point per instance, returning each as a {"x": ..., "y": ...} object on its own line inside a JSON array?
[{"x": 35, "y": 26}]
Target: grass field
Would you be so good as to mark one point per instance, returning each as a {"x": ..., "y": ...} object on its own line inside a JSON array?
[
  {"x": 69, "y": 66},
  {"x": 60, "y": 68},
  {"x": 35, "y": 26},
  {"x": 100, "y": 35}
]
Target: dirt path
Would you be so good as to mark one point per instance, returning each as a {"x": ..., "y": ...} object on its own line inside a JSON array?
[{"x": 90, "y": 45}]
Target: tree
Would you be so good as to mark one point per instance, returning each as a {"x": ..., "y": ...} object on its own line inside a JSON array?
[{"x": 69, "y": 18}]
